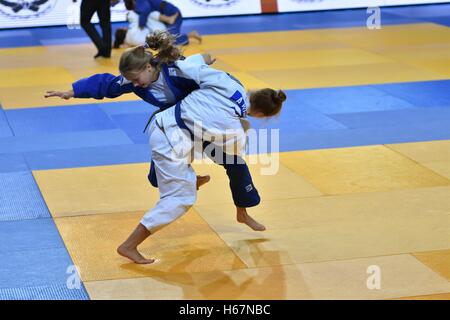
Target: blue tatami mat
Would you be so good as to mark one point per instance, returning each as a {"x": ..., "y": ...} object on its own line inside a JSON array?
[
  {"x": 414, "y": 132},
  {"x": 20, "y": 197},
  {"x": 297, "y": 117},
  {"x": 88, "y": 157},
  {"x": 64, "y": 141},
  {"x": 34, "y": 261},
  {"x": 29, "y": 268},
  {"x": 136, "y": 106},
  {"x": 5, "y": 130},
  {"x": 25, "y": 235},
  {"x": 12, "y": 163},
  {"x": 50, "y": 292},
  {"x": 346, "y": 99},
  {"x": 37, "y": 121},
  {"x": 17, "y": 38},
  {"x": 420, "y": 94},
  {"x": 382, "y": 119},
  {"x": 134, "y": 125}
]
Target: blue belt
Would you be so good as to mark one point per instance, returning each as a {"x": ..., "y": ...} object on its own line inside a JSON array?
[
  {"x": 151, "y": 118},
  {"x": 180, "y": 121}
]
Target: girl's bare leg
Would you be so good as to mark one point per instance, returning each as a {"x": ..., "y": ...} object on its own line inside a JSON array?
[
  {"x": 243, "y": 217},
  {"x": 128, "y": 249},
  {"x": 195, "y": 35}
]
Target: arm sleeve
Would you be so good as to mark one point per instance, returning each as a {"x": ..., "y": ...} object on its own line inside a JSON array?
[
  {"x": 101, "y": 86},
  {"x": 144, "y": 9},
  {"x": 194, "y": 68},
  {"x": 196, "y": 59}
]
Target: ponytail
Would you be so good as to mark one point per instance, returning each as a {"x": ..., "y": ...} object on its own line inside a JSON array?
[
  {"x": 135, "y": 59},
  {"x": 164, "y": 43},
  {"x": 267, "y": 101}
]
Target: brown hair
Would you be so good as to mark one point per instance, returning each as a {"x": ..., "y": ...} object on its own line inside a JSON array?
[
  {"x": 267, "y": 101},
  {"x": 120, "y": 35},
  {"x": 135, "y": 59},
  {"x": 130, "y": 4}
]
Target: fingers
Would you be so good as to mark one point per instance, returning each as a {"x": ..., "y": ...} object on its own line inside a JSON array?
[
  {"x": 54, "y": 94},
  {"x": 50, "y": 94}
]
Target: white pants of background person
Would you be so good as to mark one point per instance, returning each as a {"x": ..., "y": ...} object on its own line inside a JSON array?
[{"x": 135, "y": 35}]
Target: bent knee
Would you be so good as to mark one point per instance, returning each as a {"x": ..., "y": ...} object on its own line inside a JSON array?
[{"x": 188, "y": 202}]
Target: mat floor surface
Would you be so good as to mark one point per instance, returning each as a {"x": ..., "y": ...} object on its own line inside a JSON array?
[{"x": 356, "y": 188}]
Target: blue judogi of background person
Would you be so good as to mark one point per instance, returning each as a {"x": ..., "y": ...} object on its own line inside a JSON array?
[{"x": 144, "y": 7}]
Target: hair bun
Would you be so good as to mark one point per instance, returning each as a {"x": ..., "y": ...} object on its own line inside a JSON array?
[{"x": 280, "y": 96}]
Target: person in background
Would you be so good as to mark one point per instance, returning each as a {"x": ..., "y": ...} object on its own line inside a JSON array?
[
  {"x": 134, "y": 35},
  {"x": 166, "y": 10},
  {"x": 102, "y": 7}
]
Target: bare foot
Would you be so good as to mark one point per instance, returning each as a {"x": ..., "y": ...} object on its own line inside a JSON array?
[
  {"x": 194, "y": 34},
  {"x": 243, "y": 217},
  {"x": 201, "y": 180},
  {"x": 134, "y": 255}
]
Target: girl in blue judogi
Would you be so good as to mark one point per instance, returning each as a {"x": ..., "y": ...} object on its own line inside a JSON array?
[{"x": 200, "y": 94}]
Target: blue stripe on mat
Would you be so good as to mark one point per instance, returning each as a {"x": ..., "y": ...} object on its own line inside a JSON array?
[
  {"x": 399, "y": 118},
  {"x": 5, "y": 129},
  {"x": 37, "y": 121},
  {"x": 346, "y": 99},
  {"x": 20, "y": 197},
  {"x": 420, "y": 94},
  {"x": 88, "y": 157},
  {"x": 128, "y": 107},
  {"x": 63, "y": 141},
  {"x": 297, "y": 117},
  {"x": 50, "y": 292},
  {"x": 29, "y": 235},
  {"x": 30, "y": 268},
  {"x": 292, "y": 141},
  {"x": 12, "y": 163},
  {"x": 133, "y": 124}
]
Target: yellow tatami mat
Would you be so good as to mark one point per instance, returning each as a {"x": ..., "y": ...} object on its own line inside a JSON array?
[
  {"x": 13, "y": 98},
  {"x": 435, "y": 155},
  {"x": 350, "y": 75},
  {"x": 94, "y": 190},
  {"x": 24, "y": 77},
  {"x": 360, "y": 169},
  {"x": 437, "y": 260},
  {"x": 327, "y": 280},
  {"x": 338, "y": 227},
  {"x": 187, "y": 245},
  {"x": 301, "y": 59},
  {"x": 285, "y": 184}
]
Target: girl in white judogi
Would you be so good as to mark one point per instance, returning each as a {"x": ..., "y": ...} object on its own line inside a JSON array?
[
  {"x": 134, "y": 35},
  {"x": 210, "y": 98},
  {"x": 216, "y": 113}
]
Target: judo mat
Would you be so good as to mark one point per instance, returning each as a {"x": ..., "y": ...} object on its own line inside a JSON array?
[{"x": 362, "y": 168}]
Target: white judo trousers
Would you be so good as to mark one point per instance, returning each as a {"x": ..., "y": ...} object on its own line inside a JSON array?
[
  {"x": 177, "y": 181},
  {"x": 217, "y": 109}
]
